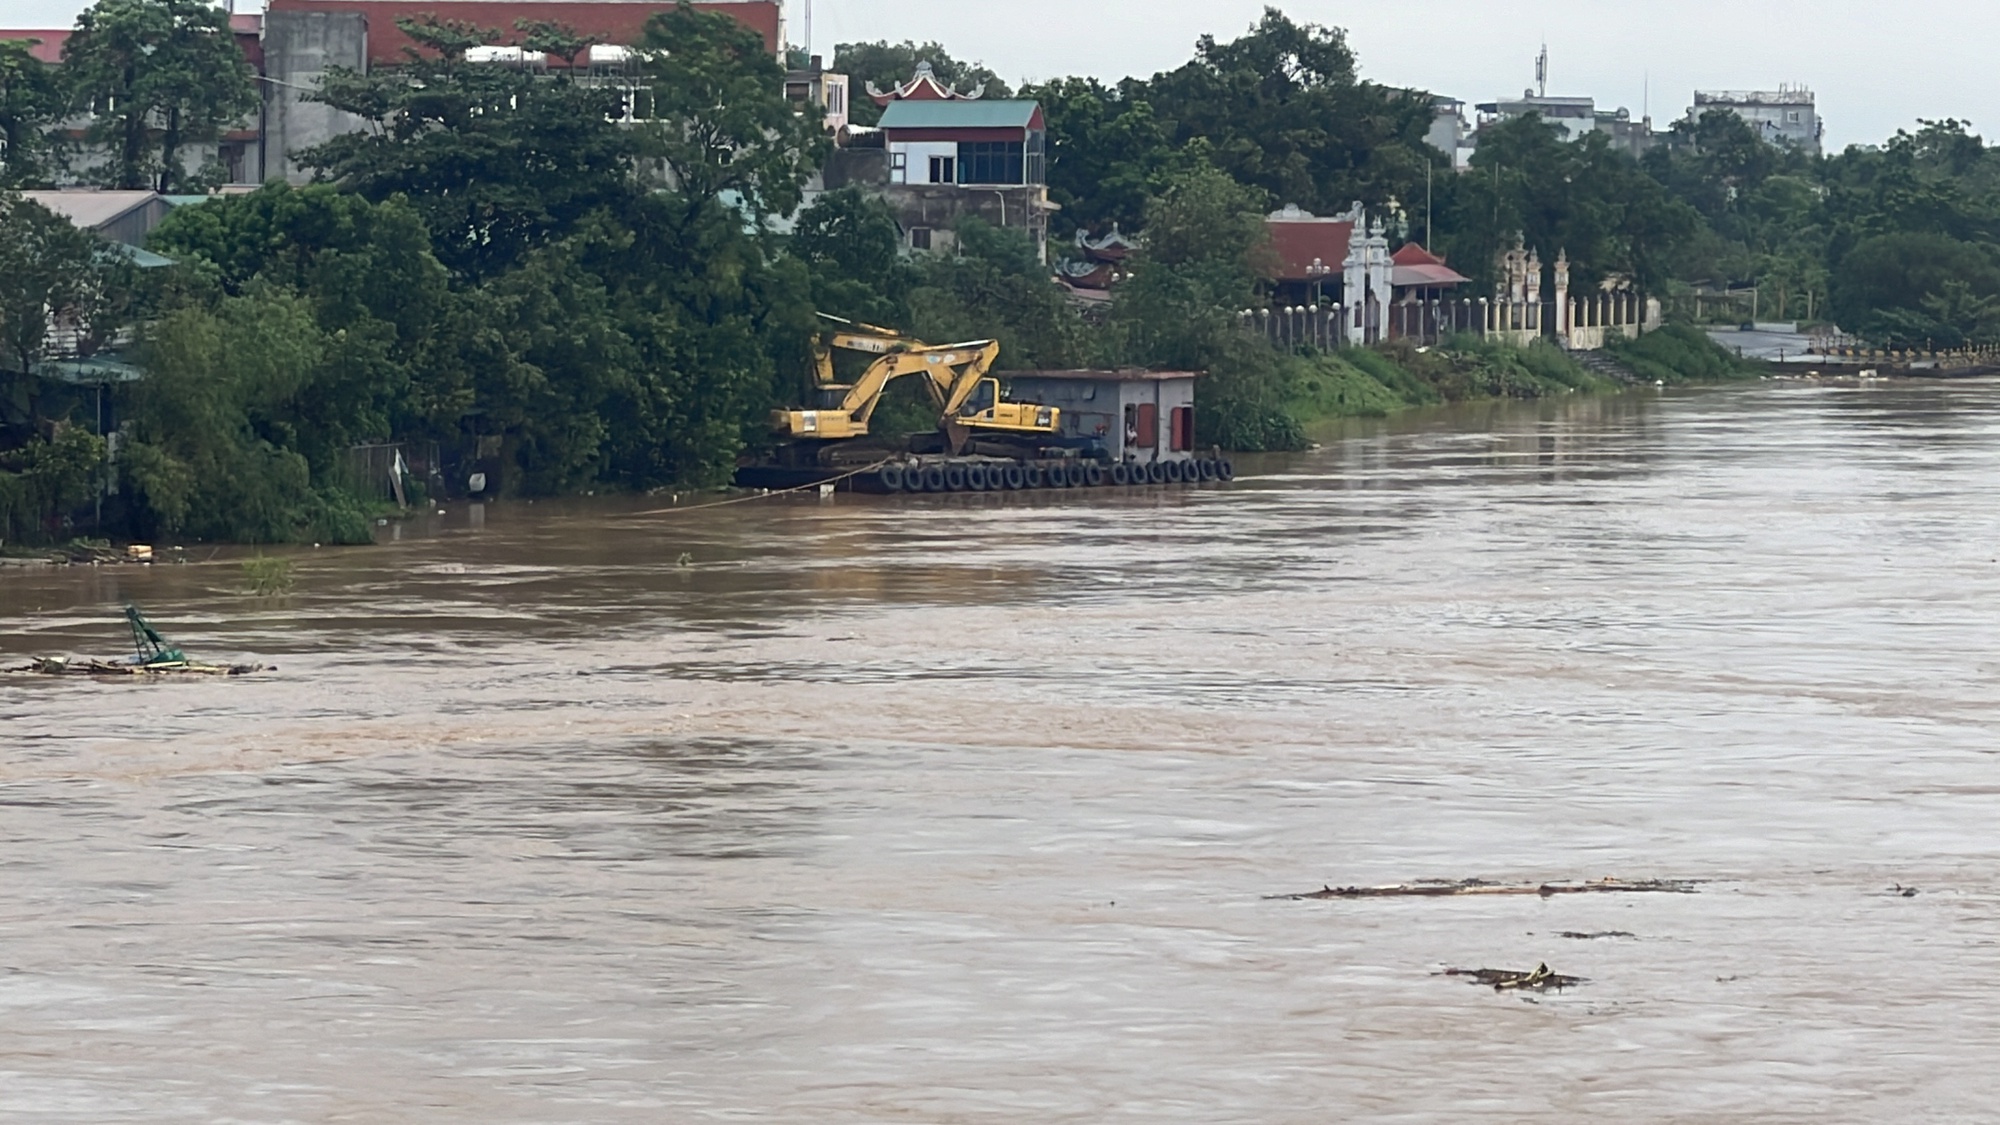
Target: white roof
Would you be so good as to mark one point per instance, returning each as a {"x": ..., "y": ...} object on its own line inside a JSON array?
[{"x": 92, "y": 209}]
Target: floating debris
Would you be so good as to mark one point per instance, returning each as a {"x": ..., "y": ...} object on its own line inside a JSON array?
[
  {"x": 154, "y": 656},
  {"x": 1542, "y": 979},
  {"x": 1441, "y": 888},
  {"x": 1575, "y": 935},
  {"x": 1901, "y": 891}
]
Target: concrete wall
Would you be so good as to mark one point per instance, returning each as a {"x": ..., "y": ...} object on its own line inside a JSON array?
[
  {"x": 939, "y": 207},
  {"x": 299, "y": 48}
]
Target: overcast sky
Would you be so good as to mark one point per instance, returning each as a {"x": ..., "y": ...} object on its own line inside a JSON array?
[{"x": 1875, "y": 66}]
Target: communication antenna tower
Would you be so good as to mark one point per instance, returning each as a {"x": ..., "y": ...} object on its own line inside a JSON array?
[{"x": 1542, "y": 73}]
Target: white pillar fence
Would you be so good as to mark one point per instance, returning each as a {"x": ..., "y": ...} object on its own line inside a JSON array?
[{"x": 1582, "y": 323}]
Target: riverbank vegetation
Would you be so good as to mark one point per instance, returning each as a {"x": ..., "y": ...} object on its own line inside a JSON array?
[{"x": 498, "y": 270}]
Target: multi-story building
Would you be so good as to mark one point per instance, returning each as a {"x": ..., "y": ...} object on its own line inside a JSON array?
[
  {"x": 940, "y": 155},
  {"x": 1788, "y": 115}
]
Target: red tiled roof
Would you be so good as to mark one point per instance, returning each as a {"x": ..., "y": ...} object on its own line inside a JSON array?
[
  {"x": 1419, "y": 268},
  {"x": 614, "y": 21},
  {"x": 49, "y": 50},
  {"x": 1414, "y": 254},
  {"x": 1299, "y": 242}
]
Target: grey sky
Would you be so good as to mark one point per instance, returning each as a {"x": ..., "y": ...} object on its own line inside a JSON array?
[{"x": 1876, "y": 67}]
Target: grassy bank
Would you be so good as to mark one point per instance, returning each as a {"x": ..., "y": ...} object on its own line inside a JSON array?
[{"x": 1374, "y": 382}]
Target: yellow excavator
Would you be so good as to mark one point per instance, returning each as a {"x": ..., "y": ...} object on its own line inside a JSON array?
[
  {"x": 983, "y": 443},
  {"x": 957, "y": 375}
]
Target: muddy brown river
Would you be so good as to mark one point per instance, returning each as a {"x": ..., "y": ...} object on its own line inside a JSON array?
[{"x": 964, "y": 809}]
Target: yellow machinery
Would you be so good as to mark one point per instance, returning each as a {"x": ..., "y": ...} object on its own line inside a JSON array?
[{"x": 968, "y": 399}]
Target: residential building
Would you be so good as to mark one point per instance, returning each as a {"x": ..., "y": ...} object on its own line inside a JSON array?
[
  {"x": 940, "y": 155},
  {"x": 1575, "y": 117},
  {"x": 814, "y": 85},
  {"x": 1451, "y": 132},
  {"x": 1788, "y": 115}
]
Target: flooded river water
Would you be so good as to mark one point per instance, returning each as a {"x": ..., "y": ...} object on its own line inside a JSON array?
[{"x": 964, "y": 809}]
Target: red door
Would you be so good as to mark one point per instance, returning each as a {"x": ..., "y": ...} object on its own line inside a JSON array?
[{"x": 1183, "y": 429}]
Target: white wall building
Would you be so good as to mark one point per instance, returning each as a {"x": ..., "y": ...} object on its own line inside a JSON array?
[{"x": 1787, "y": 115}]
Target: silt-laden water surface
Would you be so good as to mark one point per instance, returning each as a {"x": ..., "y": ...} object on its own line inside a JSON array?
[{"x": 965, "y": 809}]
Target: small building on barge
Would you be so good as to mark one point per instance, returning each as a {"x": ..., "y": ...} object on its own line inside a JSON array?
[{"x": 1141, "y": 416}]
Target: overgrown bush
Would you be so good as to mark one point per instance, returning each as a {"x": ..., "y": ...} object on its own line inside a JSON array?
[
  {"x": 49, "y": 480},
  {"x": 1679, "y": 353}
]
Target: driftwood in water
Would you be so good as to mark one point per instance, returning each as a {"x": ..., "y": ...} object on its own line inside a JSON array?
[
  {"x": 63, "y": 666},
  {"x": 1442, "y": 888},
  {"x": 1541, "y": 979}
]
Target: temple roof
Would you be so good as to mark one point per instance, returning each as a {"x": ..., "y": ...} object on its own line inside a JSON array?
[
  {"x": 1310, "y": 249},
  {"x": 922, "y": 87}
]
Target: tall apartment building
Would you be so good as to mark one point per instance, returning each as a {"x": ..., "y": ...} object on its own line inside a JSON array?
[{"x": 1787, "y": 115}]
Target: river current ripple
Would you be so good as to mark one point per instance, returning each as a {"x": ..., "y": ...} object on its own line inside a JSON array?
[{"x": 965, "y": 809}]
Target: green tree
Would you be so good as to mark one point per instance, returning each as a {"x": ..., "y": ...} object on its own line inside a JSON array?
[
  {"x": 1107, "y": 152},
  {"x": 853, "y": 246},
  {"x": 1286, "y": 111},
  {"x": 367, "y": 273},
  {"x": 1207, "y": 251},
  {"x": 1581, "y": 196},
  {"x": 888, "y": 65},
  {"x": 49, "y": 271},
  {"x": 158, "y": 76},
  {"x": 31, "y": 103},
  {"x": 216, "y": 425},
  {"x": 1913, "y": 288},
  {"x": 721, "y": 121},
  {"x": 995, "y": 288},
  {"x": 495, "y": 160}
]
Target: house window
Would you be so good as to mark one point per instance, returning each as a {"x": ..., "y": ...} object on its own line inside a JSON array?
[
  {"x": 920, "y": 238},
  {"x": 941, "y": 170},
  {"x": 899, "y": 167},
  {"x": 992, "y": 162}
]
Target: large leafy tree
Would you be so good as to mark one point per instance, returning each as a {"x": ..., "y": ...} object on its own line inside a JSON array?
[
  {"x": 496, "y": 160},
  {"x": 722, "y": 124},
  {"x": 1107, "y": 151},
  {"x": 887, "y": 65},
  {"x": 852, "y": 245},
  {"x": 1582, "y": 197},
  {"x": 31, "y": 103},
  {"x": 158, "y": 76},
  {"x": 50, "y": 273},
  {"x": 1287, "y": 112}
]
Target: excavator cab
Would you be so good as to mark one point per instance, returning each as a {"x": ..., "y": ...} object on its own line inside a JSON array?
[{"x": 986, "y": 409}]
